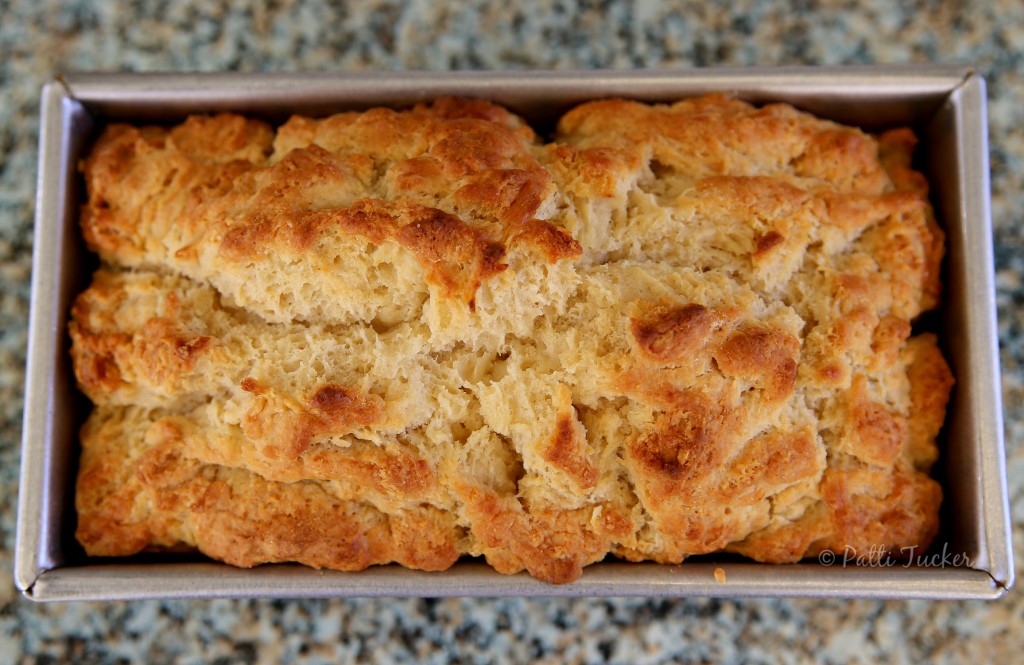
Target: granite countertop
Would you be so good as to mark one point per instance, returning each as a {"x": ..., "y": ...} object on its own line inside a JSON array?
[{"x": 39, "y": 38}]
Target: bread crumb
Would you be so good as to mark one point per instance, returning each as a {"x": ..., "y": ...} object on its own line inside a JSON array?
[{"x": 720, "y": 575}]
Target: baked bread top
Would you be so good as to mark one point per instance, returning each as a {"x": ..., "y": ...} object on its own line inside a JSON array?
[
  {"x": 436, "y": 214},
  {"x": 674, "y": 329}
]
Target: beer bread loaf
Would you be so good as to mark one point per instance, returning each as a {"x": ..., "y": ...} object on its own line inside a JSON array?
[{"x": 410, "y": 336}]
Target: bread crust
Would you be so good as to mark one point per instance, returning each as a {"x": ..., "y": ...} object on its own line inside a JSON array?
[{"x": 410, "y": 336}]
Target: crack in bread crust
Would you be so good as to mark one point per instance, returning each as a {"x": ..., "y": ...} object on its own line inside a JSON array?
[{"x": 410, "y": 336}]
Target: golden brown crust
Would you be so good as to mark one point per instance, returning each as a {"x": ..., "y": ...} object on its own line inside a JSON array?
[
  {"x": 871, "y": 509},
  {"x": 673, "y": 333},
  {"x": 734, "y": 139},
  {"x": 415, "y": 335},
  {"x": 549, "y": 544},
  {"x": 132, "y": 495},
  {"x": 930, "y": 383},
  {"x": 454, "y": 185},
  {"x": 566, "y": 449},
  {"x": 454, "y": 256},
  {"x": 289, "y": 427}
]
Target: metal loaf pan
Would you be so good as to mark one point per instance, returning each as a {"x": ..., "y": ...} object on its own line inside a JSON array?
[{"x": 944, "y": 104}]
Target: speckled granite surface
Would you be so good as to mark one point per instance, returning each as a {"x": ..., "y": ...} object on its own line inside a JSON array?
[{"x": 40, "y": 37}]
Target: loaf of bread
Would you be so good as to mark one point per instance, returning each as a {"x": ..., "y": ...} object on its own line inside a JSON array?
[{"x": 411, "y": 336}]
